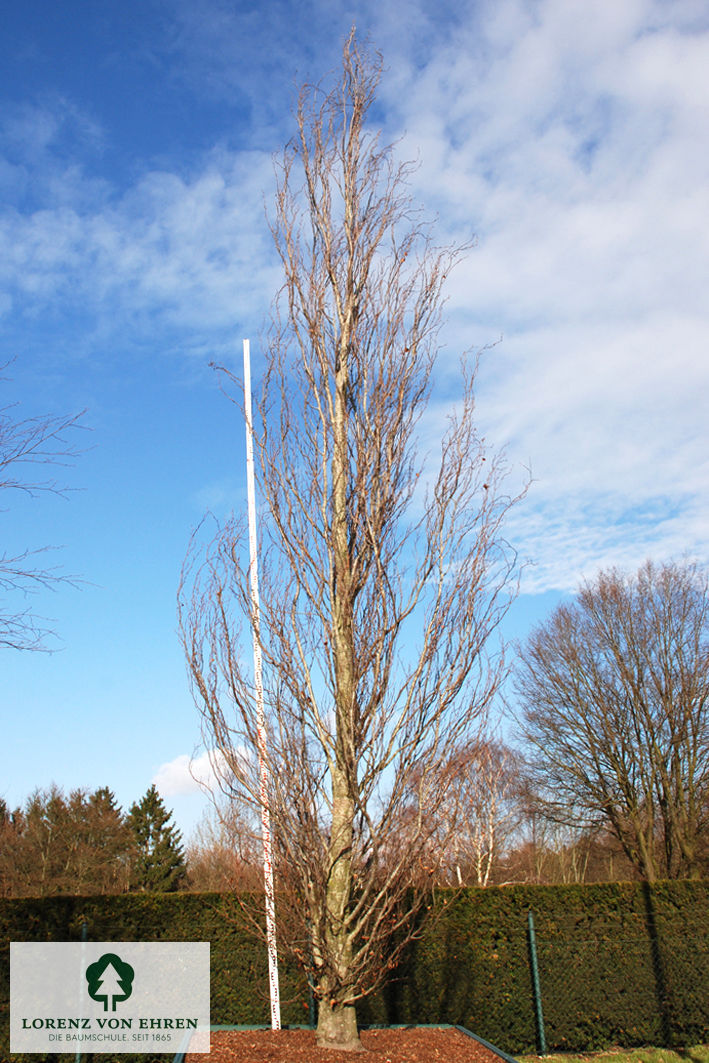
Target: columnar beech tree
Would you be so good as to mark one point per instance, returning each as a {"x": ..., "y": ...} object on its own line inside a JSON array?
[{"x": 383, "y": 570}]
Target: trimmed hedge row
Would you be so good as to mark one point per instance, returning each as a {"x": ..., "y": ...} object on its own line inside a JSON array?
[
  {"x": 239, "y": 975},
  {"x": 619, "y": 963}
]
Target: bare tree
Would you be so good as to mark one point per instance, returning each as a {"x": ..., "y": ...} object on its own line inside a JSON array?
[
  {"x": 58, "y": 844},
  {"x": 614, "y": 689},
  {"x": 222, "y": 853},
  {"x": 384, "y": 573},
  {"x": 474, "y": 823},
  {"x": 25, "y": 444},
  {"x": 485, "y": 793}
]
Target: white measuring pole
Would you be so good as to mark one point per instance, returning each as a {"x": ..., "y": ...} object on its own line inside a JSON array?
[{"x": 260, "y": 716}]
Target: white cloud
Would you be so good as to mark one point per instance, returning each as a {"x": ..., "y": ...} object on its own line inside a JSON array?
[
  {"x": 186, "y": 252},
  {"x": 565, "y": 134},
  {"x": 188, "y": 775}
]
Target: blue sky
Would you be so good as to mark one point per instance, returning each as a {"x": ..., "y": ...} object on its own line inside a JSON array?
[{"x": 136, "y": 141}]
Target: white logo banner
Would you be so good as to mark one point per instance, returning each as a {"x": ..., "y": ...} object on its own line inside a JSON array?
[{"x": 109, "y": 996}]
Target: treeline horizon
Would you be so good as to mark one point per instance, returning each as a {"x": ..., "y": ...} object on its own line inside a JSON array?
[
  {"x": 609, "y": 783},
  {"x": 82, "y": 843}
]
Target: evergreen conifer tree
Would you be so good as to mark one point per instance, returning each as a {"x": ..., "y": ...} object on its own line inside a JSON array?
[{"x": 160, "y": 862}]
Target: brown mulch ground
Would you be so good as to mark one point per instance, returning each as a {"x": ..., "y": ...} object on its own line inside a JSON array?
[{"x": 412, "y": 1045}]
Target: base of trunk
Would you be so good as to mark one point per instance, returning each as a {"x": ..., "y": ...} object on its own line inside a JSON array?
[{"x": 337, "y": 1028}]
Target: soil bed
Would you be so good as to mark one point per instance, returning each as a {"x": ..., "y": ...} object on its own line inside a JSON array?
[{"x": 416, "y": 1044}]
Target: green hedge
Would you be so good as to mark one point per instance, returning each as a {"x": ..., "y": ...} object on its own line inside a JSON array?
[
  {"x": 619, "y": 964},
  {"x": 239, "y": 975}
]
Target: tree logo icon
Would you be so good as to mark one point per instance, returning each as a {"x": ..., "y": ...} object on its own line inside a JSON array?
[{"x": 110, "y": 980}]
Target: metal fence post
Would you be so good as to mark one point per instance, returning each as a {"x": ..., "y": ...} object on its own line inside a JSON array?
[{"x": 539, "y": 1014}]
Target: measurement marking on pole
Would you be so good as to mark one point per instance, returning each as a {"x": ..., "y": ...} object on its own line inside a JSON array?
[{"x": 260, "y": 714}]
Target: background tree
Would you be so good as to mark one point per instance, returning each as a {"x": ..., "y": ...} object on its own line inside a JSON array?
[
  {"x": 546, "y": 852},
  {"x": 485, "y": 792},
  {"x": 476, "y": 820},
  {"x": 8, "y": 835},
  {"x": 222, "y": 853},
  {"x": 24, "y": 444},
  {"x": 383, "y": 573},
  {"x": 159, "y": 865},
  {"x": 614, "y": 690},
  {"x": 76, "y": 844},
  {"x": 102, "y": 847}
]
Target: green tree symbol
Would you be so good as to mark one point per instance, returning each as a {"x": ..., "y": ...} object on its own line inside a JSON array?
[{"x": 110, "y": 980}]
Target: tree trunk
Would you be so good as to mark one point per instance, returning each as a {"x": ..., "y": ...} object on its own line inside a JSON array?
[
  {"x": 337, "y": 1027},
  {"x": 337, "y": 1022}
]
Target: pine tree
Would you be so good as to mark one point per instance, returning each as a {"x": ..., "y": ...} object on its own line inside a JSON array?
[{"x": 160, "y": 863}]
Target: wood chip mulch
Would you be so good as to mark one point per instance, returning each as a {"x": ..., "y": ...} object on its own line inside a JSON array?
[{"x": 411, "y": 1045}]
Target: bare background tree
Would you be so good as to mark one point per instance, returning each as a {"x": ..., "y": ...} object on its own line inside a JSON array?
[
  {"x": 614, "y": 690},
  {"x": 25, "y": 444},
  {"x": 472, "y": 829},
  {"x": 485, "y": 789},
  {"x": 65, "y": 844},
  {"x": 384, "y": 573},
  {"x": 223, "y": 852}
]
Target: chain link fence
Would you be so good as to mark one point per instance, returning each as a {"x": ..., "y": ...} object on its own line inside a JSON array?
[
  {"x": 644, "y": 982},
  {"x": 562, "y": 969}
]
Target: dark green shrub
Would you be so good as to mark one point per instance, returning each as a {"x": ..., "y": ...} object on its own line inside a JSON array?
[{"x": 621, "y": 963}]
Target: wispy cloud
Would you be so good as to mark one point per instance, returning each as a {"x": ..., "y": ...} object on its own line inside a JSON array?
[
  {"x": 189, "y": 252},
  {"x": 565, "y": 135}
]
